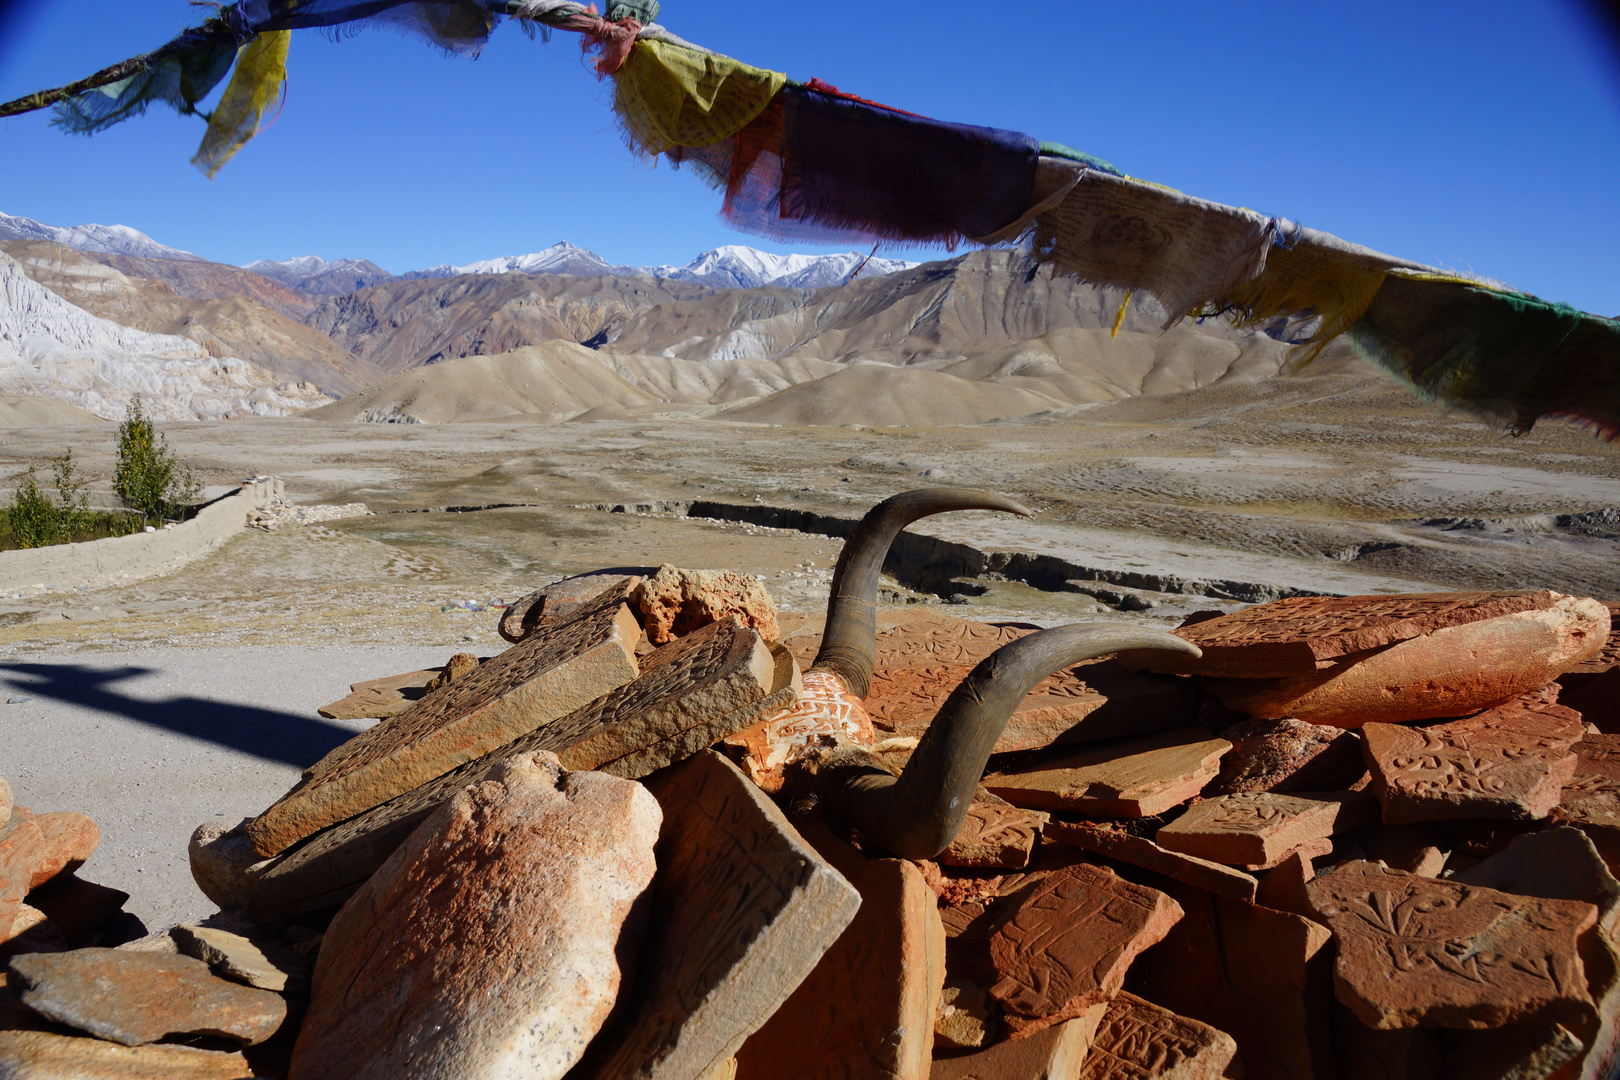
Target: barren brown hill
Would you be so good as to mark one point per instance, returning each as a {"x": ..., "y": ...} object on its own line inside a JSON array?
[
  {"x": 209, "y": 312},
  {"x": 402, "y": 324}
]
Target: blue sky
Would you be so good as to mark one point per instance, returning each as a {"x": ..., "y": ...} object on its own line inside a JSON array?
[{"x": 1482, "y": 135}]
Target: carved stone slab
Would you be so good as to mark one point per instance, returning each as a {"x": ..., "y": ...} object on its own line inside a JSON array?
[
  {"x": 1609, "y": 657},
  {"x": 868, "y": 1008},
  {"x": 1508, "y": 762},
  {"x": 994, "y": 833},
  {"x": 920, "y": 661},
  {"x": 1137, "y": 1040},
  {"x": 1287, "y": 755},
  {"x": 1069, "y": 941},
  {"x": 1140, "y": 778},
  {"x": 547, "y": 676},
  {"x": 1259, "y": 828},
  {"x": 1304, "y": 633},
  {"x": 701, "y": 688},
  {"x": 378, "y": 699},
  {"x": 1117, "y": 844},
  {"x": 1261, "y": 976},
  {"x": 1451, "y": 672},
  {"x": 1055, "y": 1053},
  {"x": 743, "y": 910},
  {"x": 1592, "y": 795},
  {"x": 562, "y": 600},
  {"x": 1427, "y": 952},
  {"x": 825, "y": 714}
]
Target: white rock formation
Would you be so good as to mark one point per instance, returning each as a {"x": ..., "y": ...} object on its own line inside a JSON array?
[{"x": 49, "y": 348}]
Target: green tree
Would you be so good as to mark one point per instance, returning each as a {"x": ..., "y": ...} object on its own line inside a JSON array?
[
  {"x": 34, "y": 520},
  {"x": 148, "y": 479},
  {"x": 73, "y": 506}
]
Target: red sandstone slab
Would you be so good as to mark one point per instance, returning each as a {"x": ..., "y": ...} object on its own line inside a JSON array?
[
  {"x": 562, "y": 600},
  {"x": 378, "y": 699},
  {"x": 1137, "y": 1040},
  {"x": 1117, "y": 844},
  {"x": 1592, "y": 795},
  {"x": 1262, "y": 828},
  {"x": 1453, "y": 671},
  {"x": 1609, "y": 656},
  {"x": 1298, "y": 635},
  {"x": 1055, "y": 1053},
  {"x": 1139, "y": 778},
  {"x": 1287, "y": 755},
  {"x": 1428, "y": 952},
  {"x": 546, "y": 677},
  {"x": 1508, "y": 762},
  {"x": 1068, "y": 943},
  {"x": 995, "y": 833}
]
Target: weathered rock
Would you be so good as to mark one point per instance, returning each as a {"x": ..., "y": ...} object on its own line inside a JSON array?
[
  {"x": 1508, "y": 762},
  {"x": 31, "y": 931},
  {"x": 826, "y": 714},
  {"x": 79, "y": 908},
  {"x": 1412, "y": 848},
  {"x": 1054, "y": 1053},
  {"x": 1068, "y": 942},
  {"x": 562, "y": 600},
  {"x": 257, "y": 959},
  {"x": 674, "y": 602},
  {"x": 1416, "y": 951},
  {"x": 1562, "y": 864},
  {"x": 5, "y": 801},
  {"x": 21, "y": 850},
  {"x": 493, "y": 940},
  {"x": 1137, "y": 1040},
  {"x": 134, "y": 998},
  {"x": 1117, "y": 844},
  {"x": 1139, "y": 778},
  {"x": 1450, "y": 672},
  {"x": 378, "y": 699},
  {"x": 1592, "y": 794},
  {"x": 1260, "y": 828},
  {"x": 530, "y": 685},
  {"x": 1307, "y": 633},
  {"x": 41, "y": 1055},
  {"x": 708, "y": 684},
  {"x": 868, "y": 1007},
  {"x": 221, "y": 858},
  {"x": 994, "y": 833},
  {"x": 1287, "y": 755},
  {"x": 743, "y": 910},
  {"x": 69, "y": 839},
  {"x": 457, "y": 667},
  {"x": 1282, "y": 888},
  {"x": 965, "y": 1017},
  {"x": 1515, "y": 1052},
  {"x": 1263, "y": 977}
]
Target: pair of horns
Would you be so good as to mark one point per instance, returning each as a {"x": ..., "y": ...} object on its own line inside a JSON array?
[{"x": 917, "y": 814}]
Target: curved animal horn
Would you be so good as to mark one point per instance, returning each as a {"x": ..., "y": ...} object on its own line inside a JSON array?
[
  {"x": 849, "y": 642},
  {"x": 917, "y": 814}
]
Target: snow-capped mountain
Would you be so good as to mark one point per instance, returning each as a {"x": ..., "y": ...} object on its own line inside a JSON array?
[
  {"x": 729, "y": 267},
  {"x": 314, "y": 274},
  {"x": 50, "y": 348},
  {"x": 111, "y": 239}
]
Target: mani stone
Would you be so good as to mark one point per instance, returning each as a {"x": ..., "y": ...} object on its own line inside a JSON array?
[
  {"x": 1263, "y": 977},
  {"x": 1121, "y": 846},
  {"x": 743, "y": 909},
  {"x": 1054, "y": 1053},
  {"x": 995, "y": 833},
  {"x": 825, "y": 714},
  {"x": 1450, "y": 672},
  {"x": 1562, "y": 864},
  {"x": 41, "y": 1055},
  {"x": 920, "y": 661},
  {"x": 1137, "y": 1040},
  {"x": 1303, "y": 634},
  {"x": 1428, "y": 952},
  {"x": 134, "y": 998},
  {"x": 543, "y": 679},
  {"x": 1068, "y": 942},
  {"x": 562, "y": 600},
  {"x": 1140, "y": 778},
  {"x": 1260, "y": 828},
  {"x": 378, "y": 699},
  {"x": 693, "y": 692},
  {"x": 1508, "y": 762},
  {"x": 258, "y": 960},
  {"x": 492, "y": 942},
  {"x": 868, "y": 1008},
  {"x": 1592, "y": 795},
  {"x": 1287, "y": 755},
  {"x": 675, "y": 602}
]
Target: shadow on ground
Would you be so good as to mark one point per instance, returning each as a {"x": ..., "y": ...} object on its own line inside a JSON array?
[{"x": 264, "y": 733}]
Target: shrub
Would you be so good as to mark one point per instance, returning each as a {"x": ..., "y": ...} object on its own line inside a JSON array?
[
  {"x": 148, "y": 479},
  {"x": 34, "y": 519}
]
